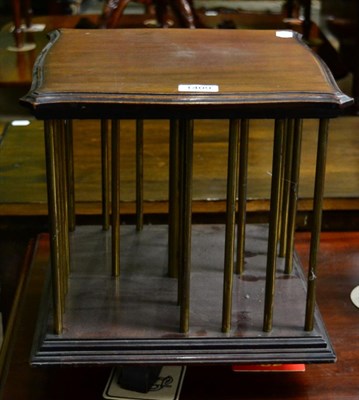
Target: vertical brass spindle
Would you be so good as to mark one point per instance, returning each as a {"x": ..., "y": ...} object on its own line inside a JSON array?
[
  {"x": 53, "y": 207},
  {"x": 281, "y": 178},
  {"x": 58, "y": 132},
  {"x": 317, "y": 222},
  {"x": 293, "y": 195},
  {"x": 287, "y": 163},
  {"x": 115, "y": 195},
  {"x": 186, "y": 135},
  {"x": 273, "y": 225},
  {"x": 64, "y": 182},
  {"x": 180, "y": 224},
  {"x": 242, "y": 194},
  {"x": 139, "y": 174},
  {"x": 173, "y": 229},
  {"x": 233, "y": 152},
  {"x": 70, "y": 173},
  {"x": 105, "y": 174}
]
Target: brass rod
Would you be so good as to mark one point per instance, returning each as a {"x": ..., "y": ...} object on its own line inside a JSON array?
[
  {"x": 180, "y": 224},
  {"x": 242, "y": 193},
  {"x": 139, "y": 174},
  {"x": 273, "y": 225},
  {"x": 293, "y": 195},
  {"x": 70, "y": 173},
  {"x": 105, "y": 174},
  {"x": 287, "y": 166},
  {"x": 53, "y": 209},
  {"x": 58, "y": 137},
  {"x": 186, "y": 136},
  {"x": 181, "y": 204},
  {"x": 233, "y": 153},
  {"x": 64, "y": 200},
  {"x": 173, "y": 229},
  {"x": 317, "y": 222},
  {"x": 115, "y": 196},
  {"x": 281, "y": 185}
]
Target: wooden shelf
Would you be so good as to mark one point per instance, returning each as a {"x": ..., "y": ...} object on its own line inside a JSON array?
[{"x": 136, "y": 319}]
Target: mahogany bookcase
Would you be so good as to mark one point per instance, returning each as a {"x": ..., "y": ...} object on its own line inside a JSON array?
[{"x": 181, "y": 293}]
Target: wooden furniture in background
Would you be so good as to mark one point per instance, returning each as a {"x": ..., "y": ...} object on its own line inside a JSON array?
[
  {"x": 22, "y": 11},
  {"x": 341, "y": 20},
  {"x": 188, "y": 17},
  {"x": 183, "y": 10}
]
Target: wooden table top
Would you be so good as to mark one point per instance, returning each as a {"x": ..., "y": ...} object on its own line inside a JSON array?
[
  {"x": 132, "y": 73},
  {"x": 338, "y": 271}
]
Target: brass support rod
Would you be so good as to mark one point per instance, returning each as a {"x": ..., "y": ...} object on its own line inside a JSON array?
[
  {"x": 53, "y": 209},
  {"x": 180, "y": 223},
  {"x": 58, "y": 138},
  {"x": 317, "y": 222},
  {"x": 287, "y": 167},
  {"x": 273, "y": 225},
  {"x": 281, "y": 178},
  {"x": 139, "y": 174},
  {"x": 186, "y": 139},
  {"x": 173, "y": 229},
  {"x": 293, "y": 195},
  {"x": 233, "y": 153},
  {"x": 105, "y": 174},
  {"x": 70, "y": 173},
  {"x": 115, "y": 196},
  {"x": 242, "y": 194},
  {"x": 64, "y": 196}
]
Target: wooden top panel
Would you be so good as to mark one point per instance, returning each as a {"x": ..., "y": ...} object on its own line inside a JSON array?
[{"x": 114, "y": 72}]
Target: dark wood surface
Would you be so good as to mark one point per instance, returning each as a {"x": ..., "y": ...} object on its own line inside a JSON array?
[
  {"x": 137, "y": 73},
  {"x": 339, "y": 257},
  {"x": 142, "y": 324},
  {"x": 16, "y": 66},
  {"x": 16, "y": 69}
]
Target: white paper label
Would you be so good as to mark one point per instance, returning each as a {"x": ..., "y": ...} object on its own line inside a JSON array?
[{"x": 198, "y": 88}]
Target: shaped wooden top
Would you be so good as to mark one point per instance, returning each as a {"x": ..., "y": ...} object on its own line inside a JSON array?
[{"x": 163, "y": 73}]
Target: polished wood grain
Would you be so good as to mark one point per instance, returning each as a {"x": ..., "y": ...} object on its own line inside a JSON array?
[
  {"x": 258, "y": 73},
  {"x": 338, "y": 262},
  {"x": 13, "y": 65}
]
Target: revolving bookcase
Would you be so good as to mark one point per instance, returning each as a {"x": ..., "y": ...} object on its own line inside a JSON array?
[{"x": 181, "y": 293}]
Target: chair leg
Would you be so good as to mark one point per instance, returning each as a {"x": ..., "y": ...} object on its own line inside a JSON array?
[
  {"x": 112, "y": 12},
  {"x": 16, "y": 11}
]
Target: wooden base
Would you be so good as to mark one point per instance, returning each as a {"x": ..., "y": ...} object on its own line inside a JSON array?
[{"x": 135, "y": 319}]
